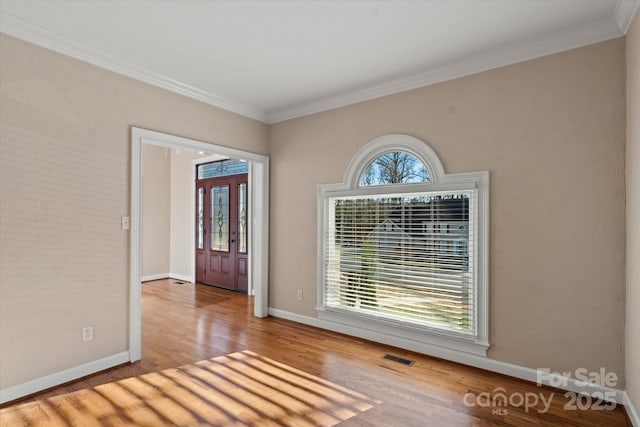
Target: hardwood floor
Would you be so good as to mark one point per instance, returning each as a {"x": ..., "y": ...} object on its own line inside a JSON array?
[
  {"x": 186, "y": 323},
  {"x": 238, "y": 389}
]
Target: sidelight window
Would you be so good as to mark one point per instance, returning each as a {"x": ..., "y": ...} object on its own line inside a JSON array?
[{"x": 242, "y": 217}]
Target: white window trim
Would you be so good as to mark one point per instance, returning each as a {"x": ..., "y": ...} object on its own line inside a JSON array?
[{"x": 430, "y": 338}]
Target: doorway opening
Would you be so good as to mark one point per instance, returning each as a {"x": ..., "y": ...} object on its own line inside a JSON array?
[{"x": 257, "y": 242}]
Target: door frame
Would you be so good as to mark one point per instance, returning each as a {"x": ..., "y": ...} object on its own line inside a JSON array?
[{"x": 258, "y": 231}]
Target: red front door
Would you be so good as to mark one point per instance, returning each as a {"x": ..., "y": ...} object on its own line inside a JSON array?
[{"x": 222, "y": 232}]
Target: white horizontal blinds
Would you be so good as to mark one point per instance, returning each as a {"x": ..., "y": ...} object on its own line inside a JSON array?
[{"x": 405, "y": 257}]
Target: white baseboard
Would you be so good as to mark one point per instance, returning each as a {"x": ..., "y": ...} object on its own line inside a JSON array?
[
  {"x": 17, "y": 391},
  {"x": 621, "y": 397},
  {"x": 505, "y": 368},
  {"x": 631, "y": 411},
  {"x": 181, "y": 277},
  {"x": 166, "y": 276},
  {"x": 154, "y": 277}
]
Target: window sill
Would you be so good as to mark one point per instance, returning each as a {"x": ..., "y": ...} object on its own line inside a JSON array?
[{"x": 423, "y": 340}]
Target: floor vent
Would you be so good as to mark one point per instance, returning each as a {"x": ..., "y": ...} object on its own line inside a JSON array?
[
  {"x": 398, "y": 359},
  {"x": 178, "y": 283}
]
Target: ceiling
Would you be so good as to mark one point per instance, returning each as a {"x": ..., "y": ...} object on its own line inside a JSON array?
[{"x": 275, "y": 60}]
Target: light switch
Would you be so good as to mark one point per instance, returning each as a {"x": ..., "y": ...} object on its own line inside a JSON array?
[{"x": 124, "y": 222}]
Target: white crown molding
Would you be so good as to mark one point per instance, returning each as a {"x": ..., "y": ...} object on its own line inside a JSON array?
[
  {"x": 18, "y": 28},
  {"x": 482, "y": 61},
  {"x": 624, "y": 13}
]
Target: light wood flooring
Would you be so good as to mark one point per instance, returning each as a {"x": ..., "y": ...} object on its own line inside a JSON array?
[{"x": 183, "y": 324}]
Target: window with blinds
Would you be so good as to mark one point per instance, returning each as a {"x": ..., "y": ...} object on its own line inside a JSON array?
[
  {"x": 403, "y": 250},
  {"x": 403, "y": 257}
]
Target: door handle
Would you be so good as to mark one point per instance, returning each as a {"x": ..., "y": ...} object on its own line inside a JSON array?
[{"x": 233, "y": 240}]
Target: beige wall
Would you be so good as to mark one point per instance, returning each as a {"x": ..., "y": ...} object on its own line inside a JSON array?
[
  {"x": 551, "y": 131},
  {"x": 64, "y": 184},
  {"x": 167, "y": 225},
  {"x": 632, "y": 342},
  {"x": 182, "y": 188},
  {"x": 156, "y": 210}
]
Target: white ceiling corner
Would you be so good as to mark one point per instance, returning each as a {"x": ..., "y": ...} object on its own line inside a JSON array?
[
  {"x": 484, "y": 61},
  {"x": 624, "y": 13},
  {"x": 50, "y": 40},
  {"x": 276, "y": 60}
]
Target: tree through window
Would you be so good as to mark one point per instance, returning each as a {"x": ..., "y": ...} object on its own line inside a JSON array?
[{"x": 395, "y": 167}]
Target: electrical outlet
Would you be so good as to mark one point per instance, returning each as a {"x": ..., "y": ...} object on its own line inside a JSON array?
[
  {"x": 124, "y": 222},
  {"x": 300, "y": 295},
  {"x": 87, "y": 333}
]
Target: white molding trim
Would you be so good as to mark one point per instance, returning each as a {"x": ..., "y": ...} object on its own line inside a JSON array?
[
  {"x": 17, "y": 391},
  {"x": 155, "y": 277},
  {"x": 181, "y": 277},
  {"x": 624, "y": 13},
  {"x": 517, "y": 371},
  {"x": 42, "y": 37},
  {"x": 258, "y": 238},
  {"x": 431, "y": 342},
  {"x": 631, "y": 410},
  {"x": 481, "y": 61},
  {"x": 388, "y": 143},
  {"x": 135, "y": 250}
]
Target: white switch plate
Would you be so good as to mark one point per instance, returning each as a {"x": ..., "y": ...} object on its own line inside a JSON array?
[{"x": 124, "y": 222}]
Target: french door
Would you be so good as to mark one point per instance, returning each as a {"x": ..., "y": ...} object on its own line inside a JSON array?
[{"x": 222, "y": 232}]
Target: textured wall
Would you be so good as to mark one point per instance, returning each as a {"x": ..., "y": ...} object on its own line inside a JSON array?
[
  {"x": 632, "y": 342},
  {"x": 64, "y": 184},
  {"x": 551, "y": 131},
  {"x": 156, "y": 210}
]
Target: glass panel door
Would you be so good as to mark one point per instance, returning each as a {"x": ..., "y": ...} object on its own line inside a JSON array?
[
  {"x": 200, "y": 220},
  {"x": 242, "y": 218},
  {"x": 219, "y": 218}
]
